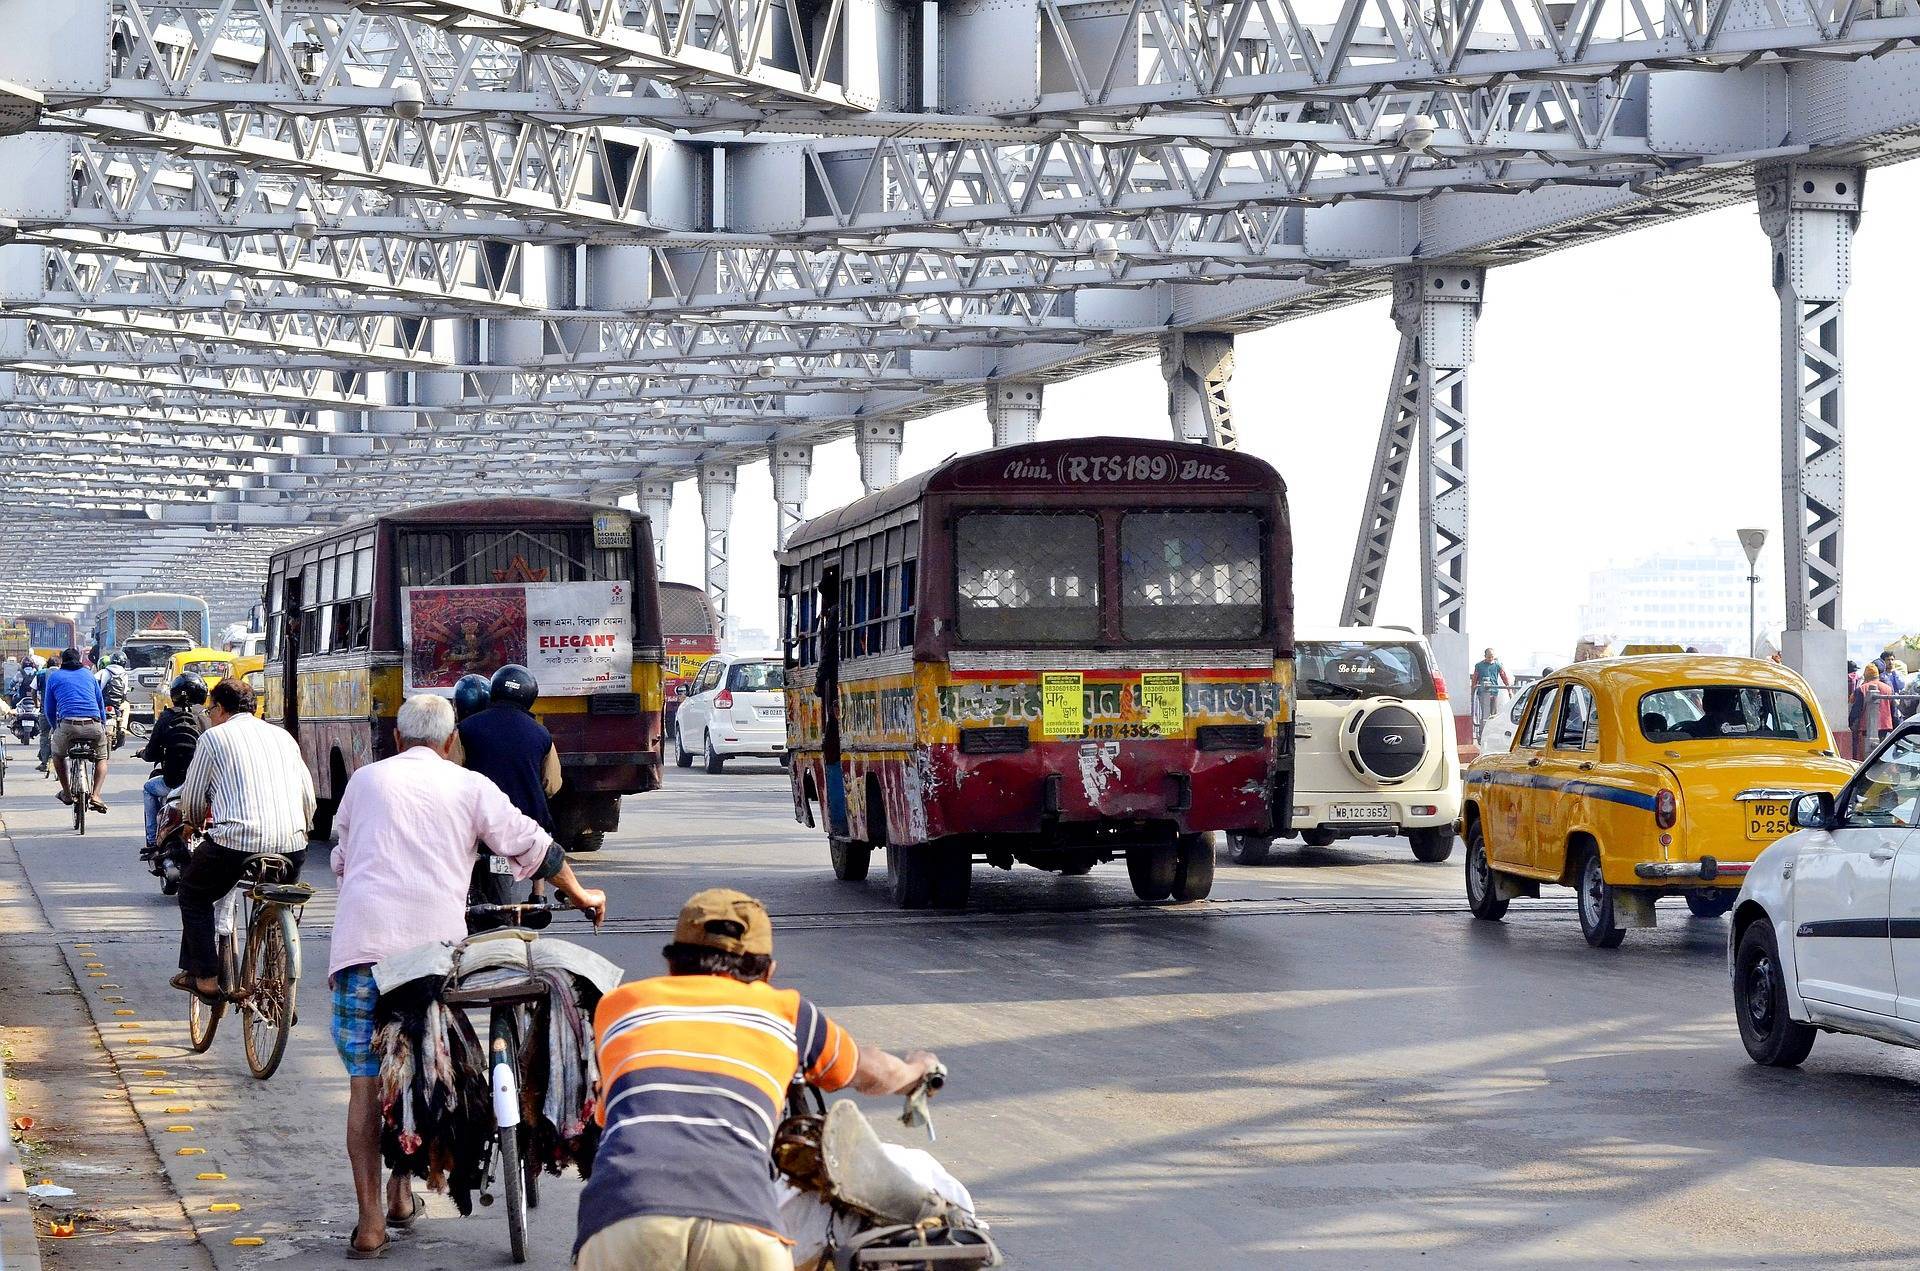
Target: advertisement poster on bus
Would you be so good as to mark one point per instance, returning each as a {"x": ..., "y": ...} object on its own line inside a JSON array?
[{"x": 576, "y": 638}]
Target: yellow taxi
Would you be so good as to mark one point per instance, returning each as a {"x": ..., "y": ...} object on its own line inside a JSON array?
[
  {"x": 251, "y": 669},
  {"x": 1631, "y": 779},
  {"x": 211, "y": 665}
]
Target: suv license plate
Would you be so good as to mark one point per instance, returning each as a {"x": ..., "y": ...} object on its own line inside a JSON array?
[
  {"x": 1766, "y": 821},
  {"x": 1360, "y": 812}
]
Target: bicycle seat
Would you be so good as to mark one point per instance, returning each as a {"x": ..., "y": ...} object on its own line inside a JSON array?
[
  {"x": 282, "y": 893},
  {"x": 863, "y": 1177},
  {"x": 267, "y": 867}
]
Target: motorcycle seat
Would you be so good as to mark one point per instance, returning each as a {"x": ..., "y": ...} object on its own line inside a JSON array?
[{"x": 865, "y": 1178}]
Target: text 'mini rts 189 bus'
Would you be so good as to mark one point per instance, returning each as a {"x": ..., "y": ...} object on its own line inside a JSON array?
[
  {"x": 409, "y": 602},
  {"x": 1059, "y": 653}
]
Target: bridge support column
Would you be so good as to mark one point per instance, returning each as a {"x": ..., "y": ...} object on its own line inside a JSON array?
[
  {"x": 792, "y": 465},
  {"x": 1809, "y": 213},
  {"x": 1436, "y": 310},
  {"x": 656, "y": 504},
  {"x": 1013, "y": 411},
  {"x": 1198, "y": 366},
  {"x": 878, "y": 444},
  {"x": 717, "y": 482}
]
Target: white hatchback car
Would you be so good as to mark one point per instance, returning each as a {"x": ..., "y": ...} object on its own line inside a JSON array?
[
  {"x": 1826, "y": 930},
  {"x": 736, "y": 707},
  {"x": 1373, "y": 743}
]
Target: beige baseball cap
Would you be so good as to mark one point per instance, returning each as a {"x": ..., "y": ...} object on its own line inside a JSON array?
[{"x": 727, "y": 920}]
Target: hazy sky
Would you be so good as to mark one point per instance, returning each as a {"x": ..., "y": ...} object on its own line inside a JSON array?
[{"x": 1624, "y": 398}]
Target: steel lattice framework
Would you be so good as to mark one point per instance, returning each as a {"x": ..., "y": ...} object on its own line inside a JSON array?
[{"x": 273, "y": 261}]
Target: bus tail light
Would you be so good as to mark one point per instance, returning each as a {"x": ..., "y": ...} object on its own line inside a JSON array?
[
  {"x": 993, "y": 741},
  {"x": 1665, "y": 811}
]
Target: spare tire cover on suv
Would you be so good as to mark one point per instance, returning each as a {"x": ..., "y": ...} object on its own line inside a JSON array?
[{"x": 1384, "y": 742}]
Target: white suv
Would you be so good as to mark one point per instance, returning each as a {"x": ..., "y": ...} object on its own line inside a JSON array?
[
  {"x": 1373, "y": 743},
  {"x": 736, "y": 707}
]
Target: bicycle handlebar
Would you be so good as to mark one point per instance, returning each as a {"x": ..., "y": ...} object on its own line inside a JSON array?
[{"x": 534, "y": 915}]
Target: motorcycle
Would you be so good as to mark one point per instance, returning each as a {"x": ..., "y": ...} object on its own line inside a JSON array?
[
  {"x": 854, "y": 1201},
  {"x": 174, "y": 843},
  {"x": 26, "y": 720},
  {"x": 119, "y": 713}
]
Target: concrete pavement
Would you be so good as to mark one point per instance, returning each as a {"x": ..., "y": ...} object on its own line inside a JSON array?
[{"x": 1329, "y": 1064}]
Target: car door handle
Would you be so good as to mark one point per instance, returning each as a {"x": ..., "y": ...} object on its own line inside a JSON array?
[
  {"x": 1533, "y": 763},
  {"x": 1881, "y": 853},
  {"x": 1587, "y": 766}
]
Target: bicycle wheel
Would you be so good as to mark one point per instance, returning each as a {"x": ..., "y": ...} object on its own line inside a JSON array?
[
  {"x": 270, "y": 979},
  {"x": 203, "y": 1020},
  {"x": 504, "y": 1043},
  {"x": 77, "y": 778}
]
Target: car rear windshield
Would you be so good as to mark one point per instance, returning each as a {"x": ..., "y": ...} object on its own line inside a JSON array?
[
  {"x": 1725, "y": 711},
  {"x": 1345, "y": 670},
  {"x": 756, "y": 677},
  {"x": 144, "y": 657}
]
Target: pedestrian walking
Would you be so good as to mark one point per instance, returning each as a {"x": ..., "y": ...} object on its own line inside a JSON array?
[{"x": 1869, "y": 711}]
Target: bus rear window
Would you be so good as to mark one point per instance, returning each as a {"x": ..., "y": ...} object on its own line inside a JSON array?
[
  {"x": 1191, "y": 575},
  {"x": 1027, "y": 577}
]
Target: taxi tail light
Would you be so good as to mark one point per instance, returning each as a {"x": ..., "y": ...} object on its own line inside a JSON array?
[
  {"x": 1439, "y": 686},
  {"x": 1665, "y": 811}
]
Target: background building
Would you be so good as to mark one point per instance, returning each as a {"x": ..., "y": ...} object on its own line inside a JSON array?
[{"x": 1694, "y": 596}]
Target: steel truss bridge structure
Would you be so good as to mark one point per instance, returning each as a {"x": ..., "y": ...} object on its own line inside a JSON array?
[{"x": 268, "y": 263}]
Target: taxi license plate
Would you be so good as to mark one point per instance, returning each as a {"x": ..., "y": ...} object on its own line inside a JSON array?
[
  {"x": 1360, "y": 812},
  {"x": 1766, "y": 821}
]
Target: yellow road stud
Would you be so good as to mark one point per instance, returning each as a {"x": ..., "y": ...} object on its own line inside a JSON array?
[
  {"x": 160, "y": 1090},
  {"x": 94, "y": 966},
  {"x": 248, "y": 1242},
  {"x": 177, "y": 1112},
  {"x": 191, "y": 1151},
  {"x": 124, "y": 1010},
  {"x": 223, "y": 1207},
  {"x": 211, "y": 1177},
  {"x": 179, "y": 1129},
  {"x": 151, "y": 1072}
]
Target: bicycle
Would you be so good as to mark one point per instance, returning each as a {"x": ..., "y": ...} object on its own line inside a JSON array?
[
  {"x": 510, "y": 1017},
  {"x": 80, "y": 760},
  {"x": 261, "y": 981}
]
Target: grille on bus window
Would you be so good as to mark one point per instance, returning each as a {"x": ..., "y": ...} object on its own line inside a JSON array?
[
  {"x": 992, "y": 741},
  {"x": 1191, "y": 575},
  {"x": 1027, "y": 577},
  {"x": 1229, "y": 736}
]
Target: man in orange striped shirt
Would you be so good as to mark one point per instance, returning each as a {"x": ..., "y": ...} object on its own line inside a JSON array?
[{"x": 694, "y": 1069}]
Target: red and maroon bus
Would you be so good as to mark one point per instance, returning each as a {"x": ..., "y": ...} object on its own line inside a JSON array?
[
  {"x": 1059, "y": 654},
  {"x": 363, "y": 616},
  {"x": 691, "y": 628}
]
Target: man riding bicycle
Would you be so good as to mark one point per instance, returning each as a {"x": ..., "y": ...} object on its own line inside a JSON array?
[
  {"x": 694, "y": 1069},
  {"x": 73, "y": 709},
  {"x": 249, "y": 788}
]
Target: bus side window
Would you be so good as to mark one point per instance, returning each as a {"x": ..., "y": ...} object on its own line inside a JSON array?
[{"x": 909, "y": 578}]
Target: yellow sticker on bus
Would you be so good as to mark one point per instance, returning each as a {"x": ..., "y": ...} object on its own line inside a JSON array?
[
  {"x": 1063, "y": 704},
  {"x": 1163, "y": 702}
]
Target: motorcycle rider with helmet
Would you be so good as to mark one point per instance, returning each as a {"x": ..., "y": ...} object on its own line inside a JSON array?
[
  {"x": 471, "y": 695},
  {"x": 116, "y": 683},
  {"x": 170, "y": 747},
  {"x": 508, "y": 746}
]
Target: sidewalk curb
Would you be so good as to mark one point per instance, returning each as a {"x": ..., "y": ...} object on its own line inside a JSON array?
[{"x": 19, "y": 1244}]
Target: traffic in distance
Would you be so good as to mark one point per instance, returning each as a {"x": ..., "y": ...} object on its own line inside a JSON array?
[{"x": 1054, "y": 656}]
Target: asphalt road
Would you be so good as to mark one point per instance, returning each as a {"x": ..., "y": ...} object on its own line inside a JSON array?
[{"x": 1328, "y": 1064}]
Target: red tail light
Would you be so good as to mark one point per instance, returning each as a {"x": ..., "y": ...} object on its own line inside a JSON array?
[
  {"x": 724, "y": 701},
  {"x": 1664, "y": 810},
  {"x": 1440, "y": 686}
]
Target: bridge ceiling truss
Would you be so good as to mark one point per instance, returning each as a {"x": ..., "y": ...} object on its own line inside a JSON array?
[{"x": 278, "y": 261}]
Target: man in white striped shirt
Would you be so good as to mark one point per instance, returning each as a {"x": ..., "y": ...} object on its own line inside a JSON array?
[{"x": 248, "y": 787}]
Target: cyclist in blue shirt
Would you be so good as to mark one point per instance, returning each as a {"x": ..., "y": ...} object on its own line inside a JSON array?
[{"x": 74, "y": 708}]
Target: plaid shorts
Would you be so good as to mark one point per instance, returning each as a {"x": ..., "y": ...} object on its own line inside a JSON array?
[{"x": 353, "y": 997}]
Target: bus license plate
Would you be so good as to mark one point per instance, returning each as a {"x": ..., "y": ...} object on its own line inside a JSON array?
[
  {"x": 1360, "y": 812},
  {"x": 1766, "y": 821}
]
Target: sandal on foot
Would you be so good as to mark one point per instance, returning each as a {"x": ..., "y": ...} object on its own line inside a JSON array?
[
  {"x": 185, "y": 984},
  {"x": 96, "y": 805},
  {"x": 65, "y": 798},
  {"x": 419, "y": 1208},
  {"x": 356, "y": 1254}
]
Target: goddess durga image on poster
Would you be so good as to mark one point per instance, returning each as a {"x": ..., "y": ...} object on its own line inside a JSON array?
[{"x": 457, "y": 631}]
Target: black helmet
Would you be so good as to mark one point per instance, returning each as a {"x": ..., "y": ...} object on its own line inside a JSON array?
[
  {"x": 470, "y": 695},
  {"x": 188, "y": 689},
  {"x": 515, "y": 686}
]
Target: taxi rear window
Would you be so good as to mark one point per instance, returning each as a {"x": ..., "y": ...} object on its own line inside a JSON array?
[{"x": 1722, "y": 712}]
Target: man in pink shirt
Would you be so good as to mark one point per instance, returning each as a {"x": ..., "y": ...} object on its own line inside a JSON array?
[{"x": 406, "y": 827}]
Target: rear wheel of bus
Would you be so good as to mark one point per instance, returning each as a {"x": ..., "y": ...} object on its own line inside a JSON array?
[{"x": 929, "y": 875}]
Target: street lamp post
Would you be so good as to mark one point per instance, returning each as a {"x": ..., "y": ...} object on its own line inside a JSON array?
[{"x": 1751, "y": 541}]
